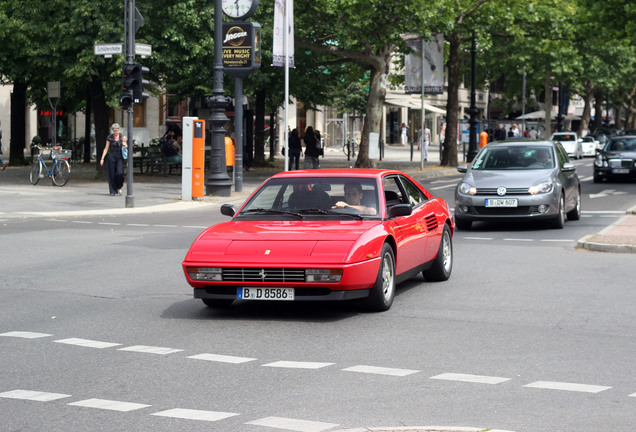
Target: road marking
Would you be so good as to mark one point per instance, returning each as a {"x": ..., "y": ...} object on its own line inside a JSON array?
[
  {"x": 557, "y": 240},
  {"x": 109, "y": 223},
  {"x": 222, "y": 358},
  {"x": 443, "y": 187},
  {"x": 604, "y": 212},
  {"x": 380, "y": 370},
  {"x": 109, "y": 405},
  {"x": 293, "y": 424},
  {"x": 189, "y": 414},
  {"x": 552, "y": 385},
  {"x": 166, "y": 226},
  {"x": 25, "y": 335},
  {"x": 150, "y": 349},
  {"x": 518, "y": 239},
  {"x": 478, "y": 238},
  {"x": 33, "y": 395},
  {"x": 137, "y": 225},
  {"x": 480, "y": 379},
  {"x": 82, "y": 222},
  {"x": 194, "y": 227},
  {"x": 298, "y": 365},
  {"x": 87, "y": 343},
  {"x": 632, "y": 395}
]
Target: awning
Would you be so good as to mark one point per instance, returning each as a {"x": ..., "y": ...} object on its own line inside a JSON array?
[
  {"x": 412, "y": 103},
  {"x": 540, "y": 115}
]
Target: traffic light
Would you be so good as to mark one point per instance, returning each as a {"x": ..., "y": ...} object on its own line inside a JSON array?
[
  {"x": 139, "y": 83},
  {"x": 126, "y": 99}
]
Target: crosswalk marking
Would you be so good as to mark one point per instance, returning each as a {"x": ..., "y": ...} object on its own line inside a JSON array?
[
  {"x": 480, "y": 379},
  {"x": 189, "y": 414},
  {"x": 552, "y": 385},
  {"x": 298, "y": 365},
  {"x": 109, "y": 405},
  {"x": 87, "y": 343},
  {"x": 25, "y": 335},
  {"x": 380, "y": 370},
  {"x": 37, "y": 396},
  {"x": 222, "y": 358},
  {"x": 150, "y": 349},
  {"x": 293, "y": 424}
]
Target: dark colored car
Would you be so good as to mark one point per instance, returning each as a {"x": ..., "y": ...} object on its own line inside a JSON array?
[
  {"x": 617, "y": 160},
  {"x": 518, "y": 180}
]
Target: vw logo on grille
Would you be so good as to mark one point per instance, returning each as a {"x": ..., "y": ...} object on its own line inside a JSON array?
[
  {"x": 501, "y": 191},
  {"x": 262, "y": 274}
]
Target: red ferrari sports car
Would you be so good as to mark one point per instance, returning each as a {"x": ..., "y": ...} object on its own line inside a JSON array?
[{"x": 333, "y": 234}]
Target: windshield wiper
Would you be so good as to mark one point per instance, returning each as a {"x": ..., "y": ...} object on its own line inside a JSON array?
[
  {"x": 329, "y": 212},
  {"x": 271, "y": 212}
]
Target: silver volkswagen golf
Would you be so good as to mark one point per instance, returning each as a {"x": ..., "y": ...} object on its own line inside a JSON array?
[{"x": 518, "y": 180}]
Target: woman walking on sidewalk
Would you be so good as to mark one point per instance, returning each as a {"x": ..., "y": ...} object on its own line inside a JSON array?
[{"x": 114, "y": 143}]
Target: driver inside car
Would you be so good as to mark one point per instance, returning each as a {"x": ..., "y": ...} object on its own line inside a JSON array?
[{"x": 353, "y": 199}]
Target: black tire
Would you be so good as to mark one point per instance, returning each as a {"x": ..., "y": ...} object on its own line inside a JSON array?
[
  {"x": 217, "y": 303},
  {"x": 575, "y": 213},
  {"x": 61, "y": 172},
  {"x": 463, "y": 224},
  {"x": 443, "y": 264},
  {"x": 381, "y": 296},
  {"x": 36, "y": 172},
  {"x": 559, "y": 220}
]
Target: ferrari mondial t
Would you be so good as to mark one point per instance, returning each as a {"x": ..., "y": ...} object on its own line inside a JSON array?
[{"x": 319, "y": 235}]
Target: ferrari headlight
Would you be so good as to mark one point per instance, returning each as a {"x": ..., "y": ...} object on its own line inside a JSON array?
[
  {"x": 205, "y": 273},
  {"x": 323, "y": 275},
  {"x": 467, "y": 189},
  {"x": 543, "y": 187}
]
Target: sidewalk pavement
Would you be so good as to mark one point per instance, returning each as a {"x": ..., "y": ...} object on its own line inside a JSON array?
[{"x": 84, "y": 195}]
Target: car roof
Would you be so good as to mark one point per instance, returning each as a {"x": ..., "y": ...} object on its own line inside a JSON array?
[
  {"x": 338, "y": 172},
  {"x": 520, "y": 142}
]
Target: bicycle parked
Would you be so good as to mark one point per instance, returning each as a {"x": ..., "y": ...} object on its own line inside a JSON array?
[{"x": 59, "y": 173}]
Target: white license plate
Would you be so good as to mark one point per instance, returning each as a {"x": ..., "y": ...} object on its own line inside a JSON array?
[
  {"x": 620, "y": 171},
  {"x": 265, "y": 294},
  {"x": 501, "y": 202}
]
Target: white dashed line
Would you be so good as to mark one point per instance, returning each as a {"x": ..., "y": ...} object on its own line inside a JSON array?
[
  {"x": 558, "y": 240},
  {"x": 298, "y": 365},
  {"x": 552, "y": 385},
  {"x": 632, "y": 395},
  {"x": 109, "y": 223},
  {"x": 194, "y": 227},
  {"x": 25, "y": 335},
  {"x": 37, "y": 396},
  {"x": 518, "y": 239},
  {"x": 189, "y": 414},
  {"x": 150, "y": 349},
  {"x": 292, "y": 424},
  {"x": 480, "y": 379},
  {"x": 87, "y": 343},
  {"x": 222, "y": 358},
  {"x": 82, "y": 222},
  {"x": 380, "y": 370},
  {"x": 478, "y": 238},
  {"x": 166, "y": 226},
  {"x": 443, "y": 187},
  {"x": 138, "y": 225},
  {"x": 109, "y": 405}
]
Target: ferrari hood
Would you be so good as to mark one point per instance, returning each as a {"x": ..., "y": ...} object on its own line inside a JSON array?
[{"x": 279, "y": 242}]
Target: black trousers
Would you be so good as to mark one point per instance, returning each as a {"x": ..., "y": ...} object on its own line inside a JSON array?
[{"x": 115, "y": 170}]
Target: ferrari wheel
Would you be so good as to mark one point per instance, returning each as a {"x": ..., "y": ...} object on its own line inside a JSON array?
[
  {"x": 217, "y": 303},
  {"x": 382, "y": 294},
  {"x": 443, "y": 264}
]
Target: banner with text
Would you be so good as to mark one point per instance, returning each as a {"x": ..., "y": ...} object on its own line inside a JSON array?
[
  {"x": 433, "y": 66},
  {"x": 279, "y": 25}
]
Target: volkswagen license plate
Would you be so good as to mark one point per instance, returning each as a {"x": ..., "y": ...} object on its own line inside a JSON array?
[
  {"x": 501, "y": 202},
  {"x": 265, "y": 294}
]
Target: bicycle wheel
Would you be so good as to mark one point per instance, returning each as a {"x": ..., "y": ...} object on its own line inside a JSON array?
[
  {"x": 36, "y": 171},
  {"x": 61, "y": 172}
]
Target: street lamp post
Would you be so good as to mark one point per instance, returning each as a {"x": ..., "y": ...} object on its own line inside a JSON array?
[
  {"x": 472, "y": 143},
  {"x": 218, "y": 182}
]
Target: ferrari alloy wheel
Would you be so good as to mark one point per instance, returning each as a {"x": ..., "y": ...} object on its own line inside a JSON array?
[
  {"x": 382, "y": 294},
  {"x": 443, "y": 264}
]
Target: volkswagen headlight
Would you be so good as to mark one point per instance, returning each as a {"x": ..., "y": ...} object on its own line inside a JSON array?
[
  {"x": 467, "y": 189},
  {"x": 543, "y": 187}
]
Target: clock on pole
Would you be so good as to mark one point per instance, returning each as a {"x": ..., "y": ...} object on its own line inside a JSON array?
[{"x": 239, "y": 9}]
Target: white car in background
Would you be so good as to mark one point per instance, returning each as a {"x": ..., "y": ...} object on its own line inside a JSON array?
[
  {"x": 570, "y": 143},
  {"x": 590, "y": 145}
]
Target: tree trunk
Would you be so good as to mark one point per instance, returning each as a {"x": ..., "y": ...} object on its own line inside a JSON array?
[
  {"x": 587, "y": 108},
  {"x": 618, "y": 120},
  {"x": 18, "y": 122},
  {"x": 373, "y": 118},
  {"x": 87, "y": 128},
  {"x": 259, "y": 128},
  {"x": 100, "y": 113},
  {"x": 547, "y": 91},
  {"x": 598, "y": 109},
  {"x": 449, "y": 153}
]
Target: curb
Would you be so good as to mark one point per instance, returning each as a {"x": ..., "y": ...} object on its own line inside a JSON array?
[{"x": 589, "y": 242}]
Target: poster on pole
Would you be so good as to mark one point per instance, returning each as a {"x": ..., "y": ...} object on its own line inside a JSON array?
[
  {"x": 279, "y": 25},
  {"x": 433, "y": 66}
]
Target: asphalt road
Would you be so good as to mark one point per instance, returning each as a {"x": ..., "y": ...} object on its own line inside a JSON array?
[{"x": 98, "y": 331}]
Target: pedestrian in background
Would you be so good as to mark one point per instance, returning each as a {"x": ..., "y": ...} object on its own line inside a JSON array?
[
  {"x": 295, "y": 149},
  {"x": 115, "y": 163},
  {"x": 404, "y": 133},
  {"x": 424, "y": 140},
  {"x": 311, "y": 150}
]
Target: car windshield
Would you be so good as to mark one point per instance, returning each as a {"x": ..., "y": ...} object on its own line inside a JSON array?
[
  {"x": 302, "y": 198},
  {"x": 622, "y": 144},
  {"x": 514, "y": 158},
  {"x": 564, "y": 137}
]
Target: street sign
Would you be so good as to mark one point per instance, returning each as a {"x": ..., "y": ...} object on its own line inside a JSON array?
[
  {"x": 143, "y": 50},
  {"x": 109, "y": 49}
]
